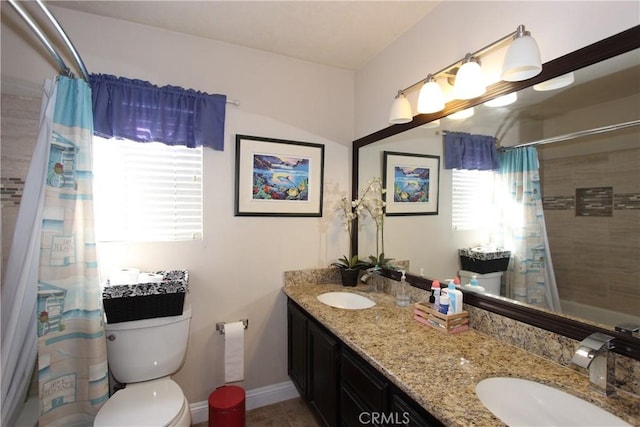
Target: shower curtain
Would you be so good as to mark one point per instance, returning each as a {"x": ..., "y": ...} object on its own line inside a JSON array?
[
  {"x": 52, "y": 280},
  {"x": 530, "y": 277}
]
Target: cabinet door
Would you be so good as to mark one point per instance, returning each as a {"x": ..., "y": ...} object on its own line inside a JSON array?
[
  {"x": 323, "y": 374},
  {"x": 365, "y": 385},
  {"x": 406, "y": 411},
  {"x": 297, "y": 326}
]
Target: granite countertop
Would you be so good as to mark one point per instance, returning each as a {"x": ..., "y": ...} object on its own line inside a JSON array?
[{"x": 441, "y": 371}]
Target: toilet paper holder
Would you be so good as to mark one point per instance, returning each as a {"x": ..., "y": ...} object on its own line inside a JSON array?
[{"x": 220, "y": 325}]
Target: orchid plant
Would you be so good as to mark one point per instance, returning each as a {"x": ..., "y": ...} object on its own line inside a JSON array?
[{"x": 372, "y": 202}]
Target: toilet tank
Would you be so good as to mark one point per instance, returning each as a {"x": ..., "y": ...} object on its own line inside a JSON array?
[{"x": 146, "y": 349}]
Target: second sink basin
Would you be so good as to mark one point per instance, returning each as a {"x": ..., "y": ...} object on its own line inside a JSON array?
[
  {"x": 346, "y": 300},
  {"x": 519, "y": 402}
]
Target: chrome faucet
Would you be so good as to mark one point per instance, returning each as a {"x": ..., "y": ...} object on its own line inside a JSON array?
[{"x": 593, "y": 354}]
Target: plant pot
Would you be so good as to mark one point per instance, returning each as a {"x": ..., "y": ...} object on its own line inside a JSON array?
[{"x": 350, "y": 276}]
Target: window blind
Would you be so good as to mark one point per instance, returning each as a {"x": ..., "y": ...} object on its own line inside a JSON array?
[
  {"x": 147, "y": 191},
  {"x": 472, "y": 197}
]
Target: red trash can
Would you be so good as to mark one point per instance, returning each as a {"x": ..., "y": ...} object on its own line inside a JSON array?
[{"x": 226, "y": 407}]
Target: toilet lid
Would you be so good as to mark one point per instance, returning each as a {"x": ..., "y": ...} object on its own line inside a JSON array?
[{"x": 153, "y": 403}]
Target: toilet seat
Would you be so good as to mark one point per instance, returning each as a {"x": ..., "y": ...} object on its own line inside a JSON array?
[{"x": 150, "y": 403}]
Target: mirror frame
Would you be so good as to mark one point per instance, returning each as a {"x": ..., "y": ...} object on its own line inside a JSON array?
[{"x": 610, "y": 47}]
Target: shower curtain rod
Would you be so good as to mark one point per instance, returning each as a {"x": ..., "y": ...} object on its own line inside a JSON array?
[
  {"x": 64, "y": 70},
  {"x": 574, "y": 135}
]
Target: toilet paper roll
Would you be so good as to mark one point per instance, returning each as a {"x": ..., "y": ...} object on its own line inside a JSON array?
[
  {"x": 150, "y": 278},
  {"x": 233, "y": 352},
  {"x": 124, "y": 276}
]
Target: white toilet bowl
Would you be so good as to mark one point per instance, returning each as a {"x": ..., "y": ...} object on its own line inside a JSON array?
[
  {"x": 151, "y": 403},
  {"x": 142, "y": 354}
]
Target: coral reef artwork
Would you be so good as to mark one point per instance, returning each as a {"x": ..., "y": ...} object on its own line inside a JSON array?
[
  {"x": 280, "y": 178},
  {"x": 410, "y": 184}
]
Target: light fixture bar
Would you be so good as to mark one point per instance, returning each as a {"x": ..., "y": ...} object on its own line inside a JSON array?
[{"x": 477, "y": 53}]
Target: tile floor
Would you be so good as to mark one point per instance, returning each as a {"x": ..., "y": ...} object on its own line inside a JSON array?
[{"x": 290, "y": 413}]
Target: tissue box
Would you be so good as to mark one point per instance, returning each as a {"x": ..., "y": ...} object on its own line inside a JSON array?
[
  {"x": 483, "y": 262},
  {"x": 137, "y": 301}
]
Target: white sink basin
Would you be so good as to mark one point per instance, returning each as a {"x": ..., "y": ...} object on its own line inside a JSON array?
[
  {"x": 347, "y": 300},
  {"x": 519, "y": 402}
]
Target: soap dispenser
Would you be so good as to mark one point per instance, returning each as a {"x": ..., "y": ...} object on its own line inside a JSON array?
[
  {"x": 455, "y": 298},
  {"x": 402, "y": 297},
  {"x": 435, "y": 289},
  {"x": 473, "y": 285}
]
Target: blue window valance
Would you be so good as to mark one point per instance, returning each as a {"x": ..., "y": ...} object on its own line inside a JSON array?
[
  {"x": 473, "y": 152},
  {"x": 140, "y": 111}
]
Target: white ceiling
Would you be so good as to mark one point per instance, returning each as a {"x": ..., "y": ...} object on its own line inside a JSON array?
[{"x": 345, "y": 34}]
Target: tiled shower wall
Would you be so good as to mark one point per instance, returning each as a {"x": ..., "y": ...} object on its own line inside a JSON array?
[
  {"x": 17, "y": 140},
  {"x": 592, "y": 212}
]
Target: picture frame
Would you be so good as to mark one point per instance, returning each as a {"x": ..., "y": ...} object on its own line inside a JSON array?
[
  {"x": 412, "y": 182},
  {"x": 277, "y": 177}
]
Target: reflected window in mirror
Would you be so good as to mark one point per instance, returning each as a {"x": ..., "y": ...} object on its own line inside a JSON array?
[{"x": 472, "y": 199}]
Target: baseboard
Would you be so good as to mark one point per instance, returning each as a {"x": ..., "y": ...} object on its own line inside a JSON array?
[{"x": 255, "y": 398}]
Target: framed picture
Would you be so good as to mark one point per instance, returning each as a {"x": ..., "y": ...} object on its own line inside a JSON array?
[
  {"x": 412, "y": 182},
  {"x": 276, "y": 177}
]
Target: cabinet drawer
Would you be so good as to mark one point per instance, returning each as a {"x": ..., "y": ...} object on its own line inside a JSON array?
[
  {"x": 365, "y": 383},
  {"x": 351, "y": 410}
]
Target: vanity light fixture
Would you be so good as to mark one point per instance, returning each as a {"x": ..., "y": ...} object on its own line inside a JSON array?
[
  {"x": 400, "y": 110},
  {"x": 521, "y": 63},
  {"x": 469, "y": 82},
  {"x": 501, "y": 101},
  {"x": 523, "y": 57},
  {"x": 557, "y": 83},
  {"x": 431, "y": 98}
]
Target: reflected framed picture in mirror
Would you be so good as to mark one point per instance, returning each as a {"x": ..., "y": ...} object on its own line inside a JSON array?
[{"x": 412, "y": 182}]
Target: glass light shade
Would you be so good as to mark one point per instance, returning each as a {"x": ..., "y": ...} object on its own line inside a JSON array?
[
  {"x": 522, "y": 60},
  {"x": 400, "y": 111},
  {"x": 501, "y": 101},
  {"x": 557, "y": 83},
  {"x": 469, "y": 81},
  {"x": 431, "y": 99},
  {"x": 464, "y": 114},
  {"x": 431, "y": 125}
]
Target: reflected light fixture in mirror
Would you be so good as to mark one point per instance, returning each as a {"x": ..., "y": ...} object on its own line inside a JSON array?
[
  {"x": 431, "y": 125},
  {"x": 557, "y": 83},
  {"x": 522, "y": 60},
  {"x": 464, "y": 114},
  {"x": 521, "y": 63},
  {"x": 400, "y": 110},
  {"x": 431, "y": 98},
  {"x": 502, "y": 101},
  {"x": 469, "y": 82}
]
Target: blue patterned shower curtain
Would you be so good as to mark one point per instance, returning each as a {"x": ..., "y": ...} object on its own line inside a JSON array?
[
  {"x": 530, "y": 277},
  {"x": 72, "y": 359}
]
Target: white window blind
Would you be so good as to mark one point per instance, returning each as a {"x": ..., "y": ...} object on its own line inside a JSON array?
[
  {"x": 147, "y": 191},
  {"x": 472, "y": 199}
]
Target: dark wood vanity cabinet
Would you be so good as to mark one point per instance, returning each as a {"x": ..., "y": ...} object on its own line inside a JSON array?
[
  {"x": 313, "y": 363},
  {"x": 364, "y": 392},
  {"x": 340, "y": 386},
  {"x": 297, "y": 332}
]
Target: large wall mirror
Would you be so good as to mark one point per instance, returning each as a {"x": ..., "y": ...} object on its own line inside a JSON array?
[{"x": 592, "y": 146}]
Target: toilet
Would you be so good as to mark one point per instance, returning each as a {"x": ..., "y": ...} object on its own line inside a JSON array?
[{"x": 142, "y": 354}]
